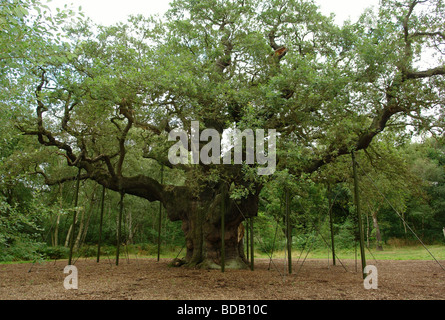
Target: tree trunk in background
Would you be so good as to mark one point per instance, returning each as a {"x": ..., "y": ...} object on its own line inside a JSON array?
[
  {"x": 85, "y": 220},
  {"x": 56, "y": 227},
  {"x": 80, "y": 231},
  {"x": 87, "y": 224},
  {"x": 56, "y": 231},
  {"x": 68, "y": 235},
  {"x": 377, "y": 231},
  {"x": 367, "y": 229},
  {"x": 130, "y": 228}
]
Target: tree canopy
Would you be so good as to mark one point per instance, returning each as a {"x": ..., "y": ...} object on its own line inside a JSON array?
[{"x": 104, "y": 98}]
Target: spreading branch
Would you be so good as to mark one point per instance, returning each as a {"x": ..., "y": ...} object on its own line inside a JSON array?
[
  {"x": 45, "y": 137},
  {"x": 406, "y": 71}
]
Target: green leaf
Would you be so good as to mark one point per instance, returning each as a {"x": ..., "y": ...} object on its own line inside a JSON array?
[{"x": 20, "y": 12}]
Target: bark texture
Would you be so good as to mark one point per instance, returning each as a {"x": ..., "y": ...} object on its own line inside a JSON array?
[{"x": 201, "y": 223}]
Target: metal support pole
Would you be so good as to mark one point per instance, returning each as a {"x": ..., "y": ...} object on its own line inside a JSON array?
[
  {"x": 251, "y": 245},
  {"x": 160, "y": 217},
  {"x": 223, "y": 233},
  {"x": 248, "y": 239},
  {"x": 359, "y": 216},
  {"x": 101, "y": 223},
  {"x": 73, "y": 229},
  {"x": 289, "y": 233},
  {"x": 331, "y": 224},
  {"x": 119, "y": 226}
]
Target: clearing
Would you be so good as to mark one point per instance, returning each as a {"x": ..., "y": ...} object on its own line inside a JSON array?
[{"x": 147, "y": 279}]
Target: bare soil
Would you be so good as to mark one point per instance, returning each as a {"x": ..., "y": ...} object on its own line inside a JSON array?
[{"x": 147, "y": 279}]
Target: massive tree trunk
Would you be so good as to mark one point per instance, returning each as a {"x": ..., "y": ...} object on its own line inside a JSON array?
[{"x": 201, "y": 223}]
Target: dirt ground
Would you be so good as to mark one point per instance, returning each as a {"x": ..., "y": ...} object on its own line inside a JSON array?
[{"x": 146, "y": 279}]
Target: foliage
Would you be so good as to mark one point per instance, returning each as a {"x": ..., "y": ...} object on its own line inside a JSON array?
[{"x": 103, "y": 99}]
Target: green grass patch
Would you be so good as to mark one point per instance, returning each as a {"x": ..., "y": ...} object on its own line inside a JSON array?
[
  {"x": 171, "y": 252},
  {"x": 388, "y": 253}
]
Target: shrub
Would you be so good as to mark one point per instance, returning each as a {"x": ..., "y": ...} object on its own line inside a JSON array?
[
  {"x": 53, "y": 253},
  {"x": 20, "y": 251}
]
